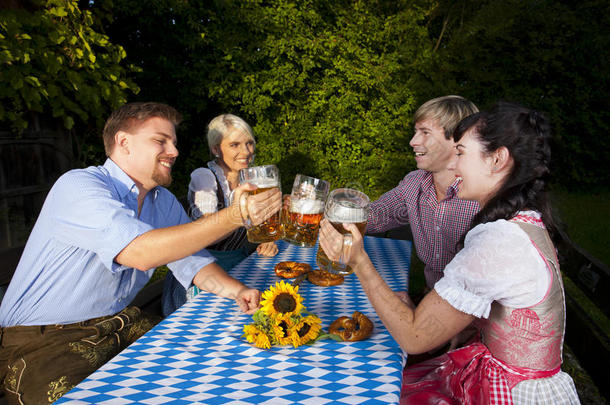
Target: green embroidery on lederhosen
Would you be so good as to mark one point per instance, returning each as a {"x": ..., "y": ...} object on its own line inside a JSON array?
[
  {"x": 96, "y": 353},
  {"x": 58, "y": 388}
]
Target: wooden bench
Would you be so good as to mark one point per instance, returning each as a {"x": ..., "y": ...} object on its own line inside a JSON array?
[{"x": 587, "y": 283}]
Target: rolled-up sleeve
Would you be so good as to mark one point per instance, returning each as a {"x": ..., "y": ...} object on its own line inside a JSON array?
[{"x": 185, "y": 269}]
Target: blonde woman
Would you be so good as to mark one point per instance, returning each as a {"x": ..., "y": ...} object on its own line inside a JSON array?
[{"x": 231, "y": 141}]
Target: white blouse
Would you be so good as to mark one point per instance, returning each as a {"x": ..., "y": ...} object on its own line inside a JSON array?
[
  {"x": 202, "y": 190},
  {"x": 498, "y": 263}
]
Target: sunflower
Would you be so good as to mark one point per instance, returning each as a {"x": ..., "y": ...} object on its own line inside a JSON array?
[
  {"x": 282, "y": 327},
  {"x": 282, "y": 299},
  {"x": 257, "y": 336},
  {"x": 307, "y": 329}
]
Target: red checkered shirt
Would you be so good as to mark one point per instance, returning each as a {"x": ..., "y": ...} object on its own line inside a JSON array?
[{"x": 436, "y": 226}]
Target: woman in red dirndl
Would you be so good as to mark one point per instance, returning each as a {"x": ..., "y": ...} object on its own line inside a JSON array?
[{"x": 505, "y": 281}]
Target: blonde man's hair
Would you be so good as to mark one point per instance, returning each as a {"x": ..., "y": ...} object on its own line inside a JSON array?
[
  {"x": 448, "y": 111},
  {"x": 219, "y": 127}
]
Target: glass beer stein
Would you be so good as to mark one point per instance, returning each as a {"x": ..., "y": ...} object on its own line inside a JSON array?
[
  {"x": 301, "y": 220},
  {"x": 344, "y": 205},
  {"x": 265, "y": 178}
]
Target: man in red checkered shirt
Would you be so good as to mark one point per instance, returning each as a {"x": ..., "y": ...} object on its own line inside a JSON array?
[{"x": 426, "y": 198}]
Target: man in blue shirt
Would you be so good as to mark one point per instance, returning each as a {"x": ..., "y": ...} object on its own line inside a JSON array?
[{"x": 100, "y": 234}]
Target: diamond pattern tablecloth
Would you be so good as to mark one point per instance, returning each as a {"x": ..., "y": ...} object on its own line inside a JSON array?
[{"x": 198, "y": 355}]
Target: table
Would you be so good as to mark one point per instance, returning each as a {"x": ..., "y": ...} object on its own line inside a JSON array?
[{"x": 198, "y": 355}]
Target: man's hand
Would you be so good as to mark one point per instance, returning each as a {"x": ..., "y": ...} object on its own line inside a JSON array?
[
  {"x": 257, "y": 207},
  {"x": 267, "y": 249},
  {"x": 248, "y": 300}
]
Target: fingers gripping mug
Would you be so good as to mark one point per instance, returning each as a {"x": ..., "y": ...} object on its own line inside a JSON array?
[
  {"x": 344, "y": 205},
  {"x": 265, "y": 178},
  {"x": 301, "y": 219}
]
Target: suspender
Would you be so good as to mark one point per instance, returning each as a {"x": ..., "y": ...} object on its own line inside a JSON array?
[{"x": 234, "y": 240}]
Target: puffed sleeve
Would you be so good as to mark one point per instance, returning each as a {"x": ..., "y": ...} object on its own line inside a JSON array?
[
  {"x": 202, "y": 193},
  {"x": 498, "y": 263}
]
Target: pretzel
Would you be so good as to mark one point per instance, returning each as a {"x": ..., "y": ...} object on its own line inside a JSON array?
[
  {"x": 324, "y": 278},
  {"x": 358, "y": 327},
  {"x": 291, "y": 269}
]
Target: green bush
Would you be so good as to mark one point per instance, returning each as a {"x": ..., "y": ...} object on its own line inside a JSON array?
[{"x": 55, "y": 64}]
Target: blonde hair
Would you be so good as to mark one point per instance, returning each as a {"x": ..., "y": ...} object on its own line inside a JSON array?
[
  {"x": 219, "y": 127},
  {"x": 448, "y": 111}
]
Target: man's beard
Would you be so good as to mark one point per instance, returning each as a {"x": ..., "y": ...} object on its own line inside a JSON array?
[{"x": 162, "y": 179}]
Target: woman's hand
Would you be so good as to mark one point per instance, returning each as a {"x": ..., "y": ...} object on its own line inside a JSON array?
[
  {"x": 267, "y": 249},
  {"x": 248, "y": 300},
  {"x": 334, "y": 245}
]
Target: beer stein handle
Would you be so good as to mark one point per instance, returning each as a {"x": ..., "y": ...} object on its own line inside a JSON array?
[
  {"x": 243, "y": 209},
  {"x": 347, "y": 243}
]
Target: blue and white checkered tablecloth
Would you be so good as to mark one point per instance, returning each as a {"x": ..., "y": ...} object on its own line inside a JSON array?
[{"x": 198, "y": 355}]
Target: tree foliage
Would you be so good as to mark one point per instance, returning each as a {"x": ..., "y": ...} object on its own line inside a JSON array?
[
  {"x": 324, "y": 84},
  {"x": 54, "y": 63},
  {"x": 329, "y": 87},
  {"x": 548, "y": 55}
]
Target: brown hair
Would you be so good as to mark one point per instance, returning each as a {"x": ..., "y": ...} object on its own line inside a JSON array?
[
  {"x": 448, "y": 111},
  {"x": 131, "y": 115}
]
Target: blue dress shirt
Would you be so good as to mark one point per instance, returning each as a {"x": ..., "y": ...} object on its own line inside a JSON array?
[{"x": 67, "y": 272}]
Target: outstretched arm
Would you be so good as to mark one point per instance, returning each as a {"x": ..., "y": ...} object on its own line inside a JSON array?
[
  {"x": 432, "y": 323},
  {"x": 165, "y": 245}
]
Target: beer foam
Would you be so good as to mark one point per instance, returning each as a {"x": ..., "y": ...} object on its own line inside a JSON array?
[
  {"x": 264, "y": 183},
  {"x": 304, "y": 206},
  {"x": 343, "y": 214}
]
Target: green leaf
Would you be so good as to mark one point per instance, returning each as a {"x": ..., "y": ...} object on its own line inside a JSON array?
[
  {"x": 33, "y": 81},
  {"x": 68, "y": 122}
]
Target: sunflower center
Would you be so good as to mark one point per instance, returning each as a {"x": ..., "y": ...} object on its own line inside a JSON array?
[
  {"x": 284, "y": 327},
  {"x": 284, "y": 303},
  {"x": 304, "y": 329}
]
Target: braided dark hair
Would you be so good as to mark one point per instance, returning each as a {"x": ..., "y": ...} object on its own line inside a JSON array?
[{"x": 526, "y": 134}]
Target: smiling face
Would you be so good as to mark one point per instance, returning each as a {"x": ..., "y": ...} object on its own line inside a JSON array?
[
  {"x": 476, "y": 169},
  {"x": 148, "y": 152},
  {"x": 236, "y": 150},
  {"x": 433, "y": 152}
]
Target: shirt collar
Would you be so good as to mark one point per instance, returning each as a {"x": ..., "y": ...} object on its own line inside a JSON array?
[
  {"x": 453, "y": 189},
  {"x": 427, "y": 184},
  {"x": 122, "y": 182}
]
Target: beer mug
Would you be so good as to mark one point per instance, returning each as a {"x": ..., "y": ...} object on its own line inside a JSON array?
[
  {"x": 265, "y": 178},
  {"x": 301, "y": 220},
  {"x": 344, "y": 205}
]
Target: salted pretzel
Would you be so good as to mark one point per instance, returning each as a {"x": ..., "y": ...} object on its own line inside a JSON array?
[
  {"x": 324, "y": 278},
  {"x": 358, "y": 327},
  {"x": 291, "y": 269}
]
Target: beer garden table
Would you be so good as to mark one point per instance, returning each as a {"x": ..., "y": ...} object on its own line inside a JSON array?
[{"x": 198, "y": 355}]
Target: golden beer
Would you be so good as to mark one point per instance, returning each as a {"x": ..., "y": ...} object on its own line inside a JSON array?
[
  {"x": 344, "y": 206},
  {"x": 301, "y": 222},
  {"x": 265, "y": 178},
  {"x": 325, "y": 263},
  {"x": 269, "y": 230}
]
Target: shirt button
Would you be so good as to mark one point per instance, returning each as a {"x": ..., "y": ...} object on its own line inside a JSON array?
[
  {"x": 437, "y": 256},
  {"x": 438, "y": 228}
]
